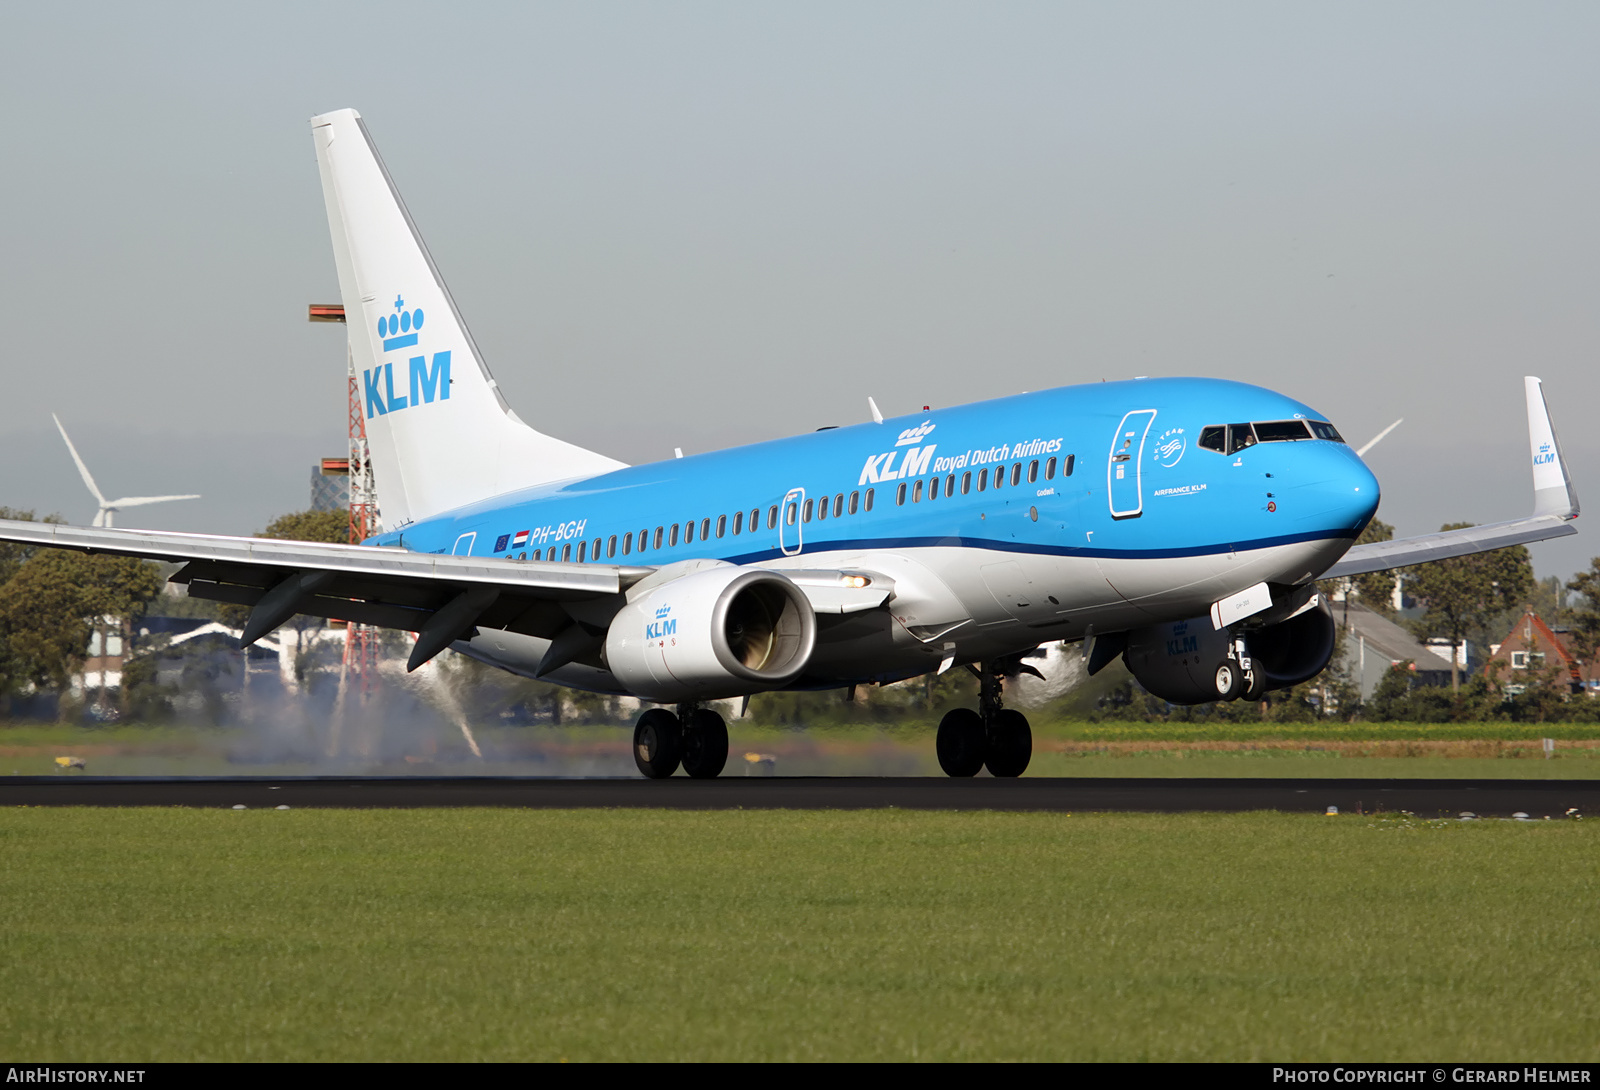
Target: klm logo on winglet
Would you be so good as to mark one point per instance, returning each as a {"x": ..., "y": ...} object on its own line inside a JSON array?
[
  {"x": 1545, "y": 456},
  {"x": 428, "y": 382}
]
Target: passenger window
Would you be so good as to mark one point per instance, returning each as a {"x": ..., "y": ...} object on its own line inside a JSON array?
[
  {"x": 805, "y": 515},
  {"x": 688, "y": 532},
  {"x": 772, "y": 516},
  {"x": 1033, "y": 471},
  {"x": 916, "y": 492},
  {"x": 1016, "y": 474},
  {"x": 566, "y": 553},
  {"x": 594, "y": 549},
  {"x": 999, "y": 476},
  {"x": 1066, "y": 470},
  {"x": 672, "y": 535},
  {"x": 1050, "y": 470},
  {"x": 933, "y": 488},
  {"x": 791, "y": 513},
  {"x": 870, "y": 493},
  {"x": 659, "y": 532},
  {"x": 966, "y": 482},
  {"x": 722, "y": 525},
  {"x": 900, "y": 495},
  {"x": 537, "y": 553},
  {"x": 838, "y": 505},
  {"x": 705, "y": 527},
  {"x": 983, "y": 479},
  {"x": 855, "y": 502},
  {"x": 822, "y": 509},
  {"x": 950, "y": 485},
  {"x": 738, "y": 523},
  {"x": 755, "y": 518},
  {"x": 1214, "y": 437},
  {"x": 583, "y": 551},
  {"x": 627, "y": 543},
  {"x": 611, "y": 547}
]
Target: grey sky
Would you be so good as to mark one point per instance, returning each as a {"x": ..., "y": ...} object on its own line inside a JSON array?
[{"x": 697, "y": 225}]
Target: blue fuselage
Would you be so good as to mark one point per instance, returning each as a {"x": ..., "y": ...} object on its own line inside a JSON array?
[{"x": 1111, "y": 470}]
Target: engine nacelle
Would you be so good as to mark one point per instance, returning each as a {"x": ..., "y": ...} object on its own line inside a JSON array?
[
  {"x": 1178, "y": 661},
  {"x": 1294, "y": 650},
  {"x": 724, "y": 632}
]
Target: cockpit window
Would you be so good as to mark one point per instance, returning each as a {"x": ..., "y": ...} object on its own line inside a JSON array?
[
  {"x": 1232, "y": 438},
  {"x": 1282, "y": 431}
]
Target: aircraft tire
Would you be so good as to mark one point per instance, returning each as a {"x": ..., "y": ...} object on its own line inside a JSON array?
[
  {"x": 1229, "y": 680},
  {"x": 705, "y": 744},
  {"x": 1010, "y": 744},
  {"x": 961, "y": 743},
  {"x": 657, "y": 743},
  {"x": 1255, "y": 685}
]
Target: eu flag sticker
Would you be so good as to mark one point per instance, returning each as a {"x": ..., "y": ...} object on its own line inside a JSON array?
[{"x": 501, "y": 542}]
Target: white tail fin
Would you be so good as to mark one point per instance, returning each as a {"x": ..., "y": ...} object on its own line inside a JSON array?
[{"x": 440, "y": 431}]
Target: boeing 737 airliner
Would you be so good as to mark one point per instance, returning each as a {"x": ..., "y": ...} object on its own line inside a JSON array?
[{"x": 1178, "y": 523}]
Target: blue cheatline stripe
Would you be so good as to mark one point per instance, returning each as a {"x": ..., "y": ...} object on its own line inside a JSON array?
[
  {"x": 392, "y": 343},
  {"x": 1015, "y": 547}
]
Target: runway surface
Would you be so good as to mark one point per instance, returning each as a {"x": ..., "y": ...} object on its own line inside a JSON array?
[{"x": 1426, "y": 798}]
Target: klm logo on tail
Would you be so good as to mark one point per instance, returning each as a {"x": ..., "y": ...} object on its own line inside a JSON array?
[{"x": 428, "y": 382}]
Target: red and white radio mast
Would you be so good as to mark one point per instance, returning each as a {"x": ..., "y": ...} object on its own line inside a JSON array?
[{"x": 360, "y": 642}]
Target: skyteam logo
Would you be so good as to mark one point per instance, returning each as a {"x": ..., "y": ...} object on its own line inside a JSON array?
[
  {"x": 1170, "y": 447},
  {"x": 1546, "y": 455},
  {"x": 428, "y": 382},
  {"x": 663, "y": 626}
]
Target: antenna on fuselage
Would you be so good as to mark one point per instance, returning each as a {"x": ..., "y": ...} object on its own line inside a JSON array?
[
  {"x": 1376, "y": 439},
  {"x": 877, "y": 417}
]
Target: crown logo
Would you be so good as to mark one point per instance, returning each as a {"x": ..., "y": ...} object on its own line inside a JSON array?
[
  {"x": 663, "y": 611},
  {"x": 915, "y": 435},
  {"x": 398, "y": 330}
]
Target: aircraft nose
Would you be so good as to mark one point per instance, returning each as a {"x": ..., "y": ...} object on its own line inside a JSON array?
[{"x": 1334, "y": 489}]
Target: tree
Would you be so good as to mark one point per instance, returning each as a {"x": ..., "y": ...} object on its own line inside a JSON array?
[
  {"x": 1583, "y": 617},
  {"x": 1464, "y": 592},
  {"x": 53, "y": 602},
  {"x": 330, "y": 526},
  {"x": 1376, "y": 589}
]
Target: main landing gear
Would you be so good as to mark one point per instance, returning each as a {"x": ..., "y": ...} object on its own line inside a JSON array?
[
  {"x": 994, "y": 736},
  {"x": 696, "y": 737}
]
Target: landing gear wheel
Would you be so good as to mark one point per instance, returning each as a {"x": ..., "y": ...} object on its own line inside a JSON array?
[
  {"x": 1229, "y": 680},
  {"x": 1010, "y": 744},
  {"x": 961, "y": 743},
  {"x": 1255, "y": 684},
  {"x": 657, "y": 743},
  {"x": 705, "y": 744}
]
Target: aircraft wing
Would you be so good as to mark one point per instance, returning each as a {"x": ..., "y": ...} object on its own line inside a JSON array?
[
  {"x": 1555, "y": 506},
  {"x": 438, "y": 597}
]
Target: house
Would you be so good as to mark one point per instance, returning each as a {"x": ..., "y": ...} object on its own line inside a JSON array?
[
  {"x": 1533, "y": 645},
  {"x": 1373, "y": 643}
]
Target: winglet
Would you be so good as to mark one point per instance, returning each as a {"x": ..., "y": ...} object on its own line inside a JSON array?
[{"x": 1553, "y": 493}]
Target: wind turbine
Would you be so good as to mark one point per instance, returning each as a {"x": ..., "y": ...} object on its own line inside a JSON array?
[
  {"x": 1376, "y": 439},
  {"x": 108, "y": 508}
]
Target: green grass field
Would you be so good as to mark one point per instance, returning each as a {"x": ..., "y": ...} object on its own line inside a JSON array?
[
  {"x": 145, "y": 935},
  {"x": 1061, "y": 748}
]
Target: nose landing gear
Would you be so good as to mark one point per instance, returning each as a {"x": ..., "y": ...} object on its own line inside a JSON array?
[{"x": 994, "y": 736}]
